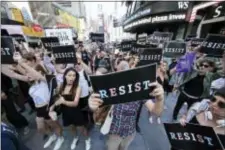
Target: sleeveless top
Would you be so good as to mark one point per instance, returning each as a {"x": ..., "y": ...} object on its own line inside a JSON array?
[
  {"x": 40, "y": 93},
  {"x": 83, "y": 83}
]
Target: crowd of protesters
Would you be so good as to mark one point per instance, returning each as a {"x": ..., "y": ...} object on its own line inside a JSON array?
[{"x": 201, "y": 87}]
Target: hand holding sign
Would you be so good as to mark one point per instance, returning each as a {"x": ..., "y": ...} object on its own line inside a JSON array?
[
  {"x": 17, "y": 56},
  {"x": 95, "y": 101},
  {"x": 157, "y": 91}
]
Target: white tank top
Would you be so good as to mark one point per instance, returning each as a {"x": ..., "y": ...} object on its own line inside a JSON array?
[
  {"x": 83, "y": 84},
  {"x": 40, "y": 93}
]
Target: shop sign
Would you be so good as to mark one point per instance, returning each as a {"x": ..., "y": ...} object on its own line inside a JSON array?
[
  {"x": 159, "y": 8},
  {"x": 217, "y": 11},
  {"x": 17, "y": 15},
  {"x": 158, "y": 19}
]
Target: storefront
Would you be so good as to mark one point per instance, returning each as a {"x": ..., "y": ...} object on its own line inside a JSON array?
[
  {"x": 167, "y": 16},
  {"x": 29, "y": 29},
  {"x": 213, "y": 20}
]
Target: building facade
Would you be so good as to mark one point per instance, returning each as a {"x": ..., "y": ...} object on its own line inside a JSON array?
[{"x": 180, "y": 17}]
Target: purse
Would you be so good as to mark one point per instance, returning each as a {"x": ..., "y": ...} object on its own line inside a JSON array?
[{"x": 107, "y": 123}]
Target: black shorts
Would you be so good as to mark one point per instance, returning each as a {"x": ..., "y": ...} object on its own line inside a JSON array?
[{"x": 42, "y": 112}]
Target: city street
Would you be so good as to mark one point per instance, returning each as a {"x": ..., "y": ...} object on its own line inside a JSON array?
[{"x": 152, "y": 136}]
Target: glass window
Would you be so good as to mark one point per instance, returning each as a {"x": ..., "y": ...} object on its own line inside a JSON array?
[
  {"x": 132, "y": 6},
  {"x": 3, "y": 12}
]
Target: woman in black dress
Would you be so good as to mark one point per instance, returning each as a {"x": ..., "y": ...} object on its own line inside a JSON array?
[
  {"x": 209, "y": 112},
  {"x": 69, "y": 96}
]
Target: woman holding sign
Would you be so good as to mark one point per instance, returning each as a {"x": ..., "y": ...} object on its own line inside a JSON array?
[
  {"x": 68, "y": 99},
  {"x": 121, "y": 136},
  {"x": 209, "y": 112},
  {"x": 40, "y": 94}
]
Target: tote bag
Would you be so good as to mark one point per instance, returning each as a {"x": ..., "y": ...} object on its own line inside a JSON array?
[{"x": 107, "y": 123}]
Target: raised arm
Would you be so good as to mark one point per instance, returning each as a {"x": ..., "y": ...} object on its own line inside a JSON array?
[{"x": 5, "y": 69}]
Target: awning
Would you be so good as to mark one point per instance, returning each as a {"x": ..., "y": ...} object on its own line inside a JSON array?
[{"x": 6, "y": 21}]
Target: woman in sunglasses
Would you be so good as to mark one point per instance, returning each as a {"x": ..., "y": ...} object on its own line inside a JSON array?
[{"x": 209, "y": 112}]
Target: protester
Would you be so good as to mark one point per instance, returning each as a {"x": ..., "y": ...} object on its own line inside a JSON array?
[
  {"x": 40, "y": 94},
  {"x": 209, "y": 112},
  {"x": 121, "y": 136},
  {"x": 69, "y": 98},
  {"x": 200, "y": 79},
  {"x": 9, "y": 137}
]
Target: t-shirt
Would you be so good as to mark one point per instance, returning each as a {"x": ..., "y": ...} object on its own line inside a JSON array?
[
  {"x": 83, "y": 83},
  {"x": 195, "y": 86}
]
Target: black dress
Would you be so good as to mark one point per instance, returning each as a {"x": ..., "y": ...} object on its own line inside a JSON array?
[{"x": 73, "y": 115}]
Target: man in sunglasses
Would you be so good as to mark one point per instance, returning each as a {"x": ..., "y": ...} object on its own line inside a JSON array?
[
  {"x": 209, "y": 112},
  {"x": 195, "y": 84}
]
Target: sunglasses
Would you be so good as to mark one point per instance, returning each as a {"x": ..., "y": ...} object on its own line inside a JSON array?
[
  {"x": 204, "y": 65},
  {"x": 219, "y": 103}
]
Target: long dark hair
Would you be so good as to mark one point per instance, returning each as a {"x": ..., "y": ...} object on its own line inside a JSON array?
[{"x": 75, "y": 83}]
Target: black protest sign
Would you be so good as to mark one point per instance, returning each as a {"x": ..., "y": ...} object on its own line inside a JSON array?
[
  {"x": 64, "y": 54},
  {"x": 125, "y": 86},
  {"x": 213, "y": 45},
  {"x": 136, "y": 47},
  {"x": 33, "y": 44},
  {"x": 149, "y": 55},
  {"x": 7, "y": 50},
  {"x": 18, "y": 37},
  {"x": 49, "y": 42},
  {"x": 160, "y": 37},
  {"x": 94, "y": 37},
  {"x": 174, "y": 49},
  {"x": 196, "y": 41},
  {"x": 189, "y": 37},
  {"x": 192, "y": 137},
  {"x": 142, "y": 39},
  {"x": 126, "y": 45}
]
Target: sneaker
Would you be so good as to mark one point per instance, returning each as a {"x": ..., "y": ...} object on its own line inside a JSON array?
[
  {"x": 151, "y": 119},
  {"x": 88, "y": 144},
  {"x": 26, "y": 130},
  {"x": 51, "y": 139},
  {"x": 58, "y": 143},
  {"x": 159, "y": 120},
  {"x": 74, "y": 143}
]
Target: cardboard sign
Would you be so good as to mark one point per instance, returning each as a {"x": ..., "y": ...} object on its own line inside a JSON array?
[
  {"x": 94, "y": 37},
  {"x": 160, "y": 37},
  {"x": 174, "y": 49},
  {"x": 7, "y": 50},
  {"x": 18, "y": 37},
  {"x": 65, "y": 35},
  {"x": 192, "y": 137},
  {"x": 50, "y": 42},
  {"x": 125, "y": 86},
  {"x": 196, "y": 41},
  {"x": 214, "y": 45},
  {"x": 64, "y": 54},
  {"x": 149, "y": 56}
]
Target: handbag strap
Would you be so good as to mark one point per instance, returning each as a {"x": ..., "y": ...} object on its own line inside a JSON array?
[{"x": 50, "y": 90}]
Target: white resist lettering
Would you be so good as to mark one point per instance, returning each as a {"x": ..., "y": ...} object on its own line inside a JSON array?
[
  {"x": 64, "y": 55},
  {"x": 5, "y": 51},
  {"x": 124, "y": 89}
]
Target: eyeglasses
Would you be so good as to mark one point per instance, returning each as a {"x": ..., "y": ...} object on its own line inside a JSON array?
[
  {"x": 204, "y": 65},
  {"x": 219, "y": 103}
]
